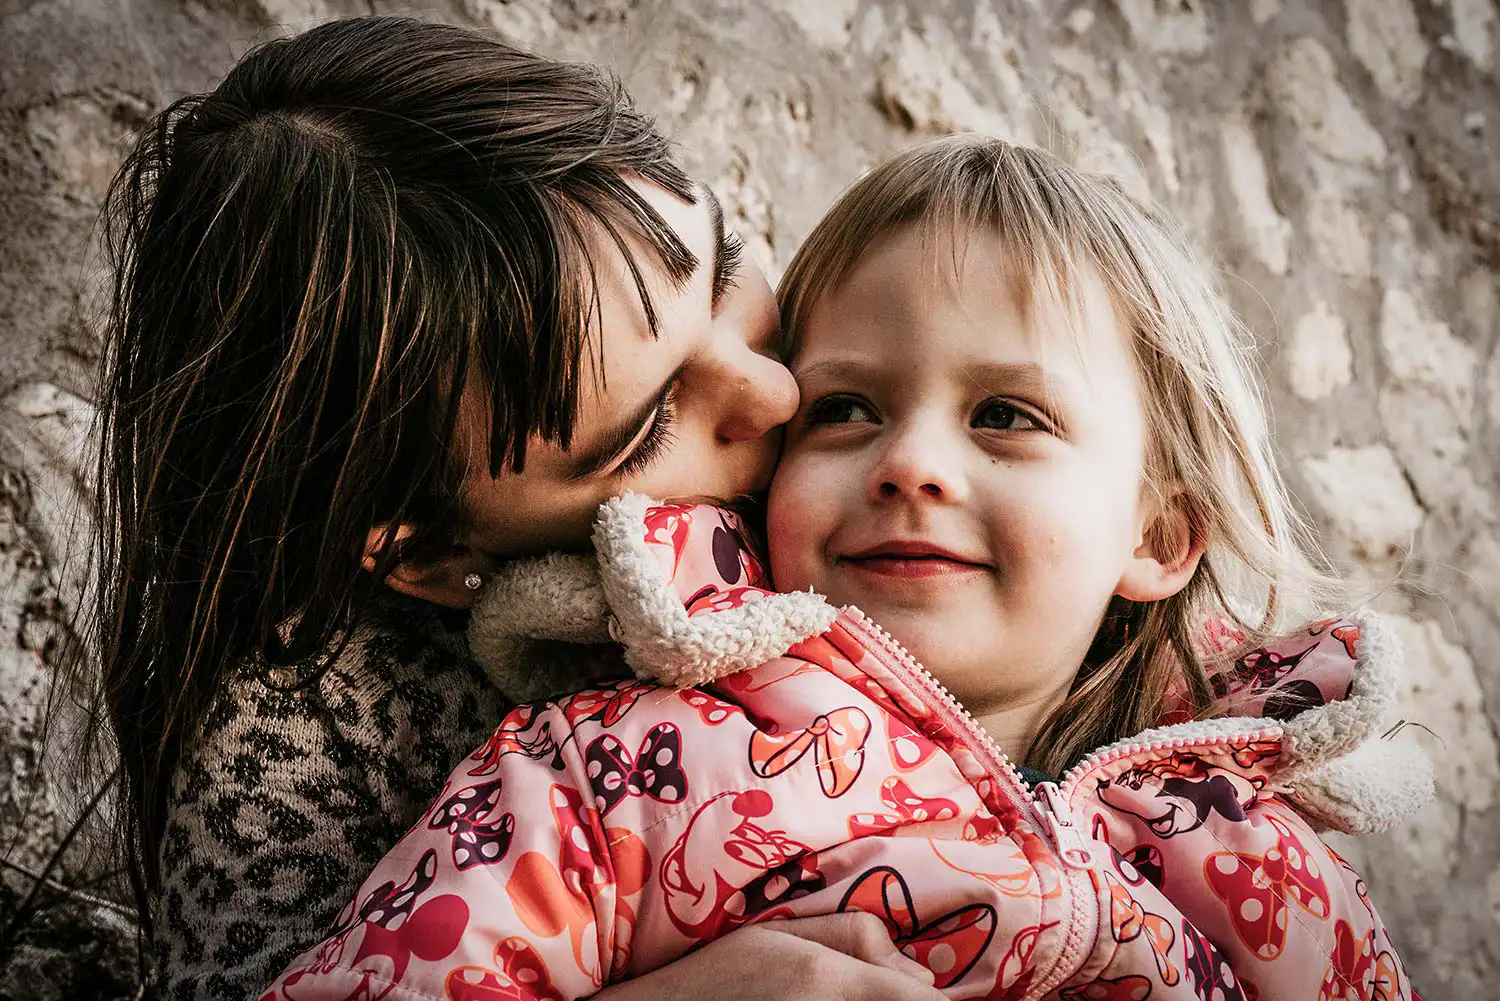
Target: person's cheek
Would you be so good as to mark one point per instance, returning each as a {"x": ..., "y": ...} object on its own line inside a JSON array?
[{"x": 791, "y": 525}]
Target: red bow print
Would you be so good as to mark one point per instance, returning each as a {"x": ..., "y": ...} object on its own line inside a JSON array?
[
  {"x": 1357, "y": 971},
  {"x": 1257, "y": 888},
  {"x": 521, "y": 975},
  {"x": 837, "y": 740},
  {"x": 1128, "y": 920},
  {"x": 395, "y": 928},
  {"x": 711, "y": 599},
  {"x": 604, "y": 705},
  {"x": 948, "y": 946},
  {"x": 725, "y": 865},
  {"x": 906, "y": 808},
  {"x": 551, "y": 898},
  {"x": 1211, "y": 976},
  {"x": 654, "y": 771},
  {"x": 510, "y": 737},
  {"x": 1349, "y": 636},
  {"x": 667, "y": 527},
  {"x": 909, "y": 749},
  {"x": 1248, "y": 754},
  {"x": 712, "y": 711},
  {"x": 1127, "y": 988},
  {"x": 1219, "y": 637},
  {"x": 1258, "y": 669}
]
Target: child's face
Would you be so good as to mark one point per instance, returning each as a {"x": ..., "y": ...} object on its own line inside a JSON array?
[{"x": 967, "y": 474}]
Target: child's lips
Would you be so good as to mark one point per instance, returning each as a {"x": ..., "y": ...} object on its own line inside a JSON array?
[{"x": 912, "y": 561}]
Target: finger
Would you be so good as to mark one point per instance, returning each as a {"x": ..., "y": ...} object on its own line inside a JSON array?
[{"x": 858, "y": 935}]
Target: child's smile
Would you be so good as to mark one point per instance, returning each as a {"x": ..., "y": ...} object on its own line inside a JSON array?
[
  {"x": 966, "y": 467},
  {"x": 917, "y": 560}
]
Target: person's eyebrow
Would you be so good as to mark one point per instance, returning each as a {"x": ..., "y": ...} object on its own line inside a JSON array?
[
  {"x": 1026, "y": 377},
  {"x": 620, "y": 437}
]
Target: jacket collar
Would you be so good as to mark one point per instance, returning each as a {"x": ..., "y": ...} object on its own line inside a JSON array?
[
  {"x": 1322, "y": 694},
  {"x": 1317, "y": 703}
]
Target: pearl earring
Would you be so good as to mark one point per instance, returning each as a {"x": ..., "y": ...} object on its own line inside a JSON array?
[{"x": 473, "y": 582}]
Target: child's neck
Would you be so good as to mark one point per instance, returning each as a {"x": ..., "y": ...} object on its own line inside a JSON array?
[{"x": 1014, "y": 725}]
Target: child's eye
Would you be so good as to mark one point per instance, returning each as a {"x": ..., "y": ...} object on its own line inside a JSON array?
[
  {"x": 998, "y": 415},
  {"x": 840, "y": 410}
]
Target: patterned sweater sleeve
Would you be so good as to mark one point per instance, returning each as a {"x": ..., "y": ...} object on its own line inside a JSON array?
[{"x": 291, "y": 792}]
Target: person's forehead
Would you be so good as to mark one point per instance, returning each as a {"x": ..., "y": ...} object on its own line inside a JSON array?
[
  {"x": 973, "y": 312},
  {"x": 619, "y": 337}
]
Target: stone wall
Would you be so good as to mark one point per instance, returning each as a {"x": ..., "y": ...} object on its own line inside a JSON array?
[{"x": 1337, "y": 157}]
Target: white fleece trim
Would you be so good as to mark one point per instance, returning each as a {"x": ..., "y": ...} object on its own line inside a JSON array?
[
  {"x": 1371, "y": 789},
  {"x": 662, "y": 643},
  {"x": 550, "y": 598},
  {"x": 1324, "y": 732},
  {"x": 1337, "y": 728},
  {"x": 1334, "y": 766}
]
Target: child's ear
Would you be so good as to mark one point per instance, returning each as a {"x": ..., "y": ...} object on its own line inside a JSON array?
[
  {"x": 1171, "y": 546},
  {"x": 440, "y": 579}
]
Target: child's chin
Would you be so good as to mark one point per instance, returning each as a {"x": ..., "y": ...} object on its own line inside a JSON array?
[{"x": 929, "y": 639}]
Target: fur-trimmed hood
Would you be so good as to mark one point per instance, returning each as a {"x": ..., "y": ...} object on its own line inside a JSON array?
[{"x": 550, "y": 625}]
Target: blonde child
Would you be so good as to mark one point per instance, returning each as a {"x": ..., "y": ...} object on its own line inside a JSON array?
[{"x": 1029, "y": 445}]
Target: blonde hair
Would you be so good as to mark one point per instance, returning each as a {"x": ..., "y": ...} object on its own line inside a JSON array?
[{"x": 1208, "y": 441}]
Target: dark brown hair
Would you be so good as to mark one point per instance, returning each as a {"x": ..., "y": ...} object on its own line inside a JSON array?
[{"x": 313, "y": 262}]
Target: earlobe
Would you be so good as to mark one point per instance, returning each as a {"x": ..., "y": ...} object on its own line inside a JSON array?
[{"x": 442, "y": 580}]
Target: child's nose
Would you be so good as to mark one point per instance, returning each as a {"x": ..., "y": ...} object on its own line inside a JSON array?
[{"x": 917, "y": 469}]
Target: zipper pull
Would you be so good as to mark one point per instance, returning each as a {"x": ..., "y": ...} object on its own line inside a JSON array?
[{"x": 1058, "y": 821}]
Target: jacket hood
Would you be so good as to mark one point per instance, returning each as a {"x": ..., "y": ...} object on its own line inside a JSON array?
[{"x": 1325, "y": 695}]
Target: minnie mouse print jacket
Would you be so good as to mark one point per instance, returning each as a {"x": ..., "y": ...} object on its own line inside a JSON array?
[{"x": 791, "y": 759}]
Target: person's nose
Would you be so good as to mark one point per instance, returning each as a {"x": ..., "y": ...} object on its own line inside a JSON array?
[
  {"x": 919, "y": 463},
  {"x": 758, "y": 395}
]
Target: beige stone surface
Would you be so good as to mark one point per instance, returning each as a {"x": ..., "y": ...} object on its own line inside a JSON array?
[
  {"x": 1364, "y": 494},
  {"x": 1319, "y": 359},
  {"x": 1341, "y": 236},
  {"x": 1385, "y": 37},
  {"x": 1474, "y": 30},
  {"x": 1336, "y": 159},
  {"x": 1304, "y": 81},
  {"x": 1442, "y": 692}
]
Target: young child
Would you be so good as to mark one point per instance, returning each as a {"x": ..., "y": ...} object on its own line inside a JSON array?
[{"x": 1030, "y": 447}]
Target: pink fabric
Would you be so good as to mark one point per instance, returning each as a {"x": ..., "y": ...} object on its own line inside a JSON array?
[{"x": 605, "y": 834}]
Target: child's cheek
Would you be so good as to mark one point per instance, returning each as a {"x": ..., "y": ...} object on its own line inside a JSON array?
[{"x": 794, "y": 537}]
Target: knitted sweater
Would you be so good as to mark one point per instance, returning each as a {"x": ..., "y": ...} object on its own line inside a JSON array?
[{"x": 291, "y": 793}]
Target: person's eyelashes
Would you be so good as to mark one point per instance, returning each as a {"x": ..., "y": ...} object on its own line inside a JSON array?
[
  {"x": 1003, "y": 415},
  {"x": 657, "y": 441},
  {"x": 839, "y": 409},
  {"x": 731, "y": 256}
]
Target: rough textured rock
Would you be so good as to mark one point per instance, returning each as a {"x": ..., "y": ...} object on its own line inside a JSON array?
[
  {"x": 1319, "y": 360},
  {"x": 1337, "y": 158}
]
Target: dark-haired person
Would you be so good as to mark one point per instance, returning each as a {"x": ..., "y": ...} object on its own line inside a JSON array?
[{"x": 395, "y": 301}]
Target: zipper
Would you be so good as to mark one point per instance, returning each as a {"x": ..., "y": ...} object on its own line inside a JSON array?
[
  {"x": 1049, "y": 808},
  {"x": 1049, "y": 801},
  {"x": 1057, "y": 818}
]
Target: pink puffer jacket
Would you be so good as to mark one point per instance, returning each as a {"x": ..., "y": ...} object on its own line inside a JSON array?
[{"x": 603, "y": 834}]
